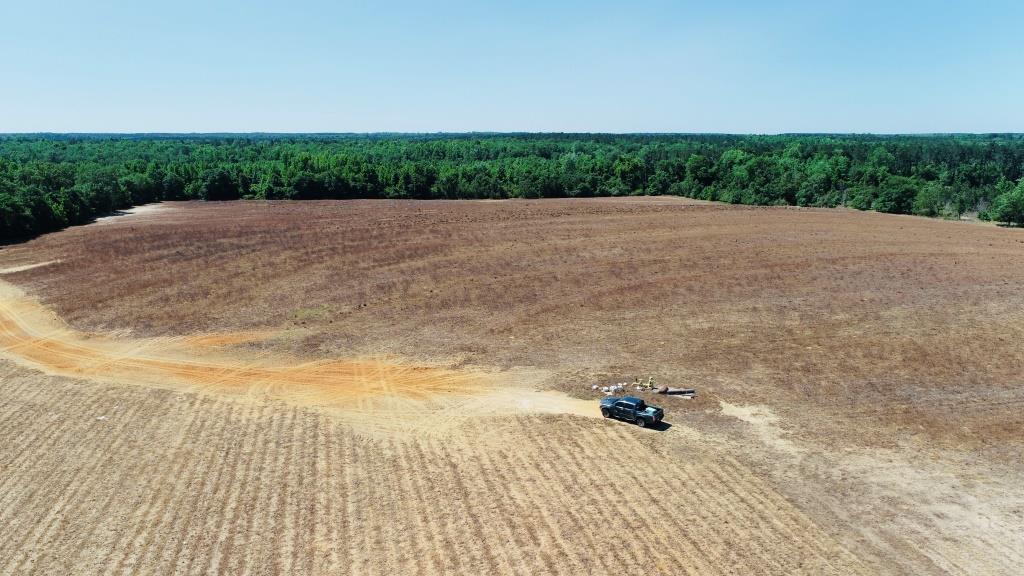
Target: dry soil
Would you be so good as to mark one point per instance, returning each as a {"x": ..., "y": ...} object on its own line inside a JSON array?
[{"x": 406, "y": 387}]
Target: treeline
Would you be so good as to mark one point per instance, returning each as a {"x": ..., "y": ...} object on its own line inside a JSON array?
[{"x": 51, "y": 181}]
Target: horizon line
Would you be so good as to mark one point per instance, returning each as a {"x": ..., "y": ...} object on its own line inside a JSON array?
[{"x": 502, "y": 133}]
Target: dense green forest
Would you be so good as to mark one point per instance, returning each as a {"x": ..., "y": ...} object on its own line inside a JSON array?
[{"x": 51, "y": 181}]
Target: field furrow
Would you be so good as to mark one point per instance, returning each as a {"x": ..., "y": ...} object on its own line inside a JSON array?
[
  {"x": 217, "y": 534},
  {"x": 69, "y": 490}
]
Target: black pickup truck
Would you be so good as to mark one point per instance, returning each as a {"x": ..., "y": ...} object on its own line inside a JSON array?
[{"x": 631, "y": 409}]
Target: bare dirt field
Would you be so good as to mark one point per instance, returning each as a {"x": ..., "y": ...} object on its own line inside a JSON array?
[{"x": 405, "y": 388}]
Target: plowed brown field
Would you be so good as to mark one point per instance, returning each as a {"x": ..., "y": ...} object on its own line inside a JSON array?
[{"x": 404, "y": 388}]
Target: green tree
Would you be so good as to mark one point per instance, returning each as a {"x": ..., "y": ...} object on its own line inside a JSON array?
[
  {"x": 173, "y": 186},
  {"x": 52, "y": 181},
  {"x": 217, "y": 184},
  {"x": 930, "y": 200},
  {"x": 1009, "y": 206},
  {"x": 629, "y": 170},
  {"x": 895, "y": 194}
]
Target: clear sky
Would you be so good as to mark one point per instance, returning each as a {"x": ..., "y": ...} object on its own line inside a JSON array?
[{"x": 646, "y": 66}]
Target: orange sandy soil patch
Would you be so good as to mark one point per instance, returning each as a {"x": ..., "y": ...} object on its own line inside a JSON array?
[
  {"x": 32, "y": 336},
  {"x": 859, "y": 376}
]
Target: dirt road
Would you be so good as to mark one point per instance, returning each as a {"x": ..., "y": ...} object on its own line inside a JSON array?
[{"x": 380, "y": 393}]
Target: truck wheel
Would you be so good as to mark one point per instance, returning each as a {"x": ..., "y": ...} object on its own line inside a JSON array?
[
  {"x": 605, "y": 412},
  {"x": 640, "y": 422}
]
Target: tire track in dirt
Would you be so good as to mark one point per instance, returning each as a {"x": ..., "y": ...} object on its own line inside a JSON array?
[
  {"x": 979, "y": 555},
  {"x": 253, "y": 468},
  {"x": 421, "y": 396},
  {"x": 28, "y": 333}
]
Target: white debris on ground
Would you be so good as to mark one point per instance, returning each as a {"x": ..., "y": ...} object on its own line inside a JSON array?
[
  {"x": 637, "y": 383},
  {"x": 649, "y": 385}
]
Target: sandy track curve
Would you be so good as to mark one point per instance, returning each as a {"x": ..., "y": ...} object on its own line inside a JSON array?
[{"x": 32, "y": 336}]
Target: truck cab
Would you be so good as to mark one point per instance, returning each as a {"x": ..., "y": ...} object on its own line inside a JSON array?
[{"x": 631, "y": 409}]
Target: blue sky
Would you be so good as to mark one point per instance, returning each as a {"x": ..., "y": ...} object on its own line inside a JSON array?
[{"x": 320, "y": 66}]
